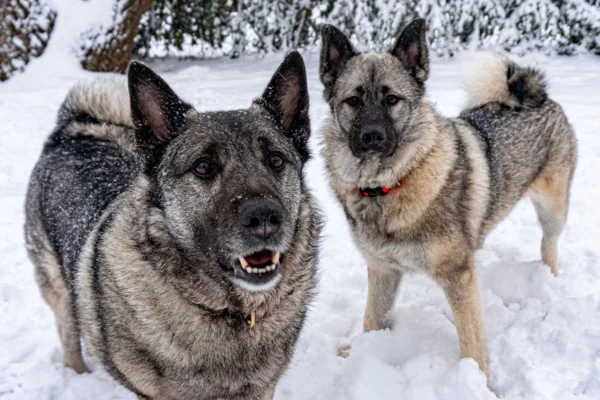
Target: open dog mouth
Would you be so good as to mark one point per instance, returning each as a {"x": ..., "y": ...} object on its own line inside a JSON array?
[{"x": 258, "y": 271}]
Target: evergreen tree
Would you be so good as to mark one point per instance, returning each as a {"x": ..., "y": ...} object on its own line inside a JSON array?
[
  {"x": 174, "y": 24},
  {"x": 531, "y": 25},
  {"x": 579, "y": 25},
  {"x": 247, "y": 26},
  {"x": 477, "y": 23},
  {"x": 271, "y": 26},
  {"x": 25, "y": 28}
]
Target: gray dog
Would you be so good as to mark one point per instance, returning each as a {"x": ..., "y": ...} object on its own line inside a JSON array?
[
  {"x": 421, "y": 191},
  {"x": 180, "y": 245}
]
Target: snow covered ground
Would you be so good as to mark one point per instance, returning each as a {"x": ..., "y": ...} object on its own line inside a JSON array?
[{"x": 543, "y": 332}]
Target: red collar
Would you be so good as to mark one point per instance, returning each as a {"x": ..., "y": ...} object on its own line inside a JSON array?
[{"x": 382, "y": 190}]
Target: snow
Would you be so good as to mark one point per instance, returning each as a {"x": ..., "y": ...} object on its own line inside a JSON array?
[
  {"x": 72, "y": 20},
  {"x": 516, "y": 26},
  {"x": 543, "y": 332}
]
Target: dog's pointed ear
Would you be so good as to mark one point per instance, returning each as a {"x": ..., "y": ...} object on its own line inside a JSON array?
[
  {"x": 336, "y": 50},
  {"x": 157, "y": 112},
  {"x": 286, "y": 98},
  {"x": 411, "y": 49}
]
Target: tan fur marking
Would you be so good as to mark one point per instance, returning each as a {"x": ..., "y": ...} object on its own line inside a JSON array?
[
  {"x": 270, "y": 394},
  {"x": 54, "y": 292},
  {"x": 549, "y": 193},
  {"x": 462, "y": 291},
  {"x": 344, "y": 351},
  {"x": 443, "y": 250},
  {"x": 479, "y": 183},
  {"x": 415, "y": 197},
  {"x": 383, "y": 287}
]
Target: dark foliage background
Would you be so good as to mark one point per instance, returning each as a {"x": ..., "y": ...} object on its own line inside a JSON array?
[
  {"x": 25, "y": 28},
  {"x": 206, "y": 28},
  {"x": 245, "y": 26}
]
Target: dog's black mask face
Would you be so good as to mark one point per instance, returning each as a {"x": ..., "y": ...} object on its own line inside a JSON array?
[
  {"x": 229, "y": 182},
  {"x": 375, "y": 98},
  {"x": 370, "y": 111}
]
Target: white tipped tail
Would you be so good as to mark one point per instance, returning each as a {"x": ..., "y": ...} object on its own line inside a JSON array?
[
  {"x": 492, "y": 78},
  {"x": 104, "y": 99},
  {"x": 484, "y": 78},
  {"x": 99, "y": 108}
]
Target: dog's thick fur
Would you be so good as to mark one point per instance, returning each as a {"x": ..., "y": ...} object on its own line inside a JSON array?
[
  {"x": 451, "y": 180},
  {"x": 135, "y": 253}
]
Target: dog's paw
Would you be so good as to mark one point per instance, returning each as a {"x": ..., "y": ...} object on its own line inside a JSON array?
[
  {"x": 78, "y": 366},
  {"x": 344, "y": 351}
]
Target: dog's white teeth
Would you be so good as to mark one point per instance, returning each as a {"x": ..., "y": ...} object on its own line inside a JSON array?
[
  {"x": 259, "y": 270},
  {"x": 275, "y": 258}
]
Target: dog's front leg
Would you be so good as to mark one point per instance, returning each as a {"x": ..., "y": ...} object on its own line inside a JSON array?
[
  {"x": 460, "y": 286},
  {"x": 383, "y": 288},
  {"x": 269, "y": 394}
]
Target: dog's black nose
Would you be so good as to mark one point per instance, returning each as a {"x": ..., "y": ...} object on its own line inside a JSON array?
[
  {"x": 373, "y": 138},
  {"x": 262, "y": 218}
]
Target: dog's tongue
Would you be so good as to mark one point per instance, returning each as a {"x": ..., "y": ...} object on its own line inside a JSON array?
[{"x": 259, "y": 258}]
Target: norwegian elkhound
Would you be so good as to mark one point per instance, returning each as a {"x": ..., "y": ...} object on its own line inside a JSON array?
[
  {"x": 421, "y": 191},
  {"x": 181, "y": 246}
]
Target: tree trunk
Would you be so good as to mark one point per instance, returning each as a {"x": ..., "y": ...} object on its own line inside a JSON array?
[{"x": 111, "y": 49}]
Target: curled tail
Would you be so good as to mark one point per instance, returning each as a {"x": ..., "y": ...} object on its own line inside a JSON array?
[
  {"x": 99, "y": 108},
  {"x": 491, "y": 77}
]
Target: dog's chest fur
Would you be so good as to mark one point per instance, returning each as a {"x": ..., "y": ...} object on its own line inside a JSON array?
[{"x": 377, "y": 235}]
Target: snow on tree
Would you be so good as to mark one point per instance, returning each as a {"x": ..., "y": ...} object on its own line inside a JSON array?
[
  {"x": 276, "y": 25},
  {"x": 477, "y": 23},
  {"x": 175, "y": 24},
  {"x": 25, "y": 28},
  {"x": 110, "y": 48},
  {"x": 579, "y": 24},
  {"x": 234, "y": 27},
  {"x": 201, "y": 28}
]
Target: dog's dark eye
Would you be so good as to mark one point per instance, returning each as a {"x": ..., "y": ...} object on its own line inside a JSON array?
[
  {"x": 275, "y": 161},
  {"x": 353, "y": 101},
  {"x": 204, "y": 169},
  {"x": 391, "y": 99}
]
